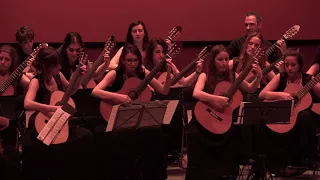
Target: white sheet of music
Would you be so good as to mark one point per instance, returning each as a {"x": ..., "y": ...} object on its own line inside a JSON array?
[{"x": 112, "y": 118}]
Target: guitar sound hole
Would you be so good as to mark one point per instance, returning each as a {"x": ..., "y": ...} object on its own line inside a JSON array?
[{"x": 46, "y": 121}]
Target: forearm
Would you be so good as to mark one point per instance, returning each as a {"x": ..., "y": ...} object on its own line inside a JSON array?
[
  {"x": 104, "y": 95},
  {"x": 100, "y": 71},
  {"x": 35, "y": 106},
  {"x": 269, "y": 95},
  {"x": 190, "y": 79}
]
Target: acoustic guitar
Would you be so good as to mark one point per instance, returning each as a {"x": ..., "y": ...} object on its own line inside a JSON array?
[
  {"x": 87, "y": 81},
  {"x": 60, "y": 98},
  {"x": 302, "y": 101},
  {"x": 220, "y": 121},
  {"x": 174, "y": 82},
  {"x": 288, "y": 35},
  {"x": 136, "y": 88},
  {"x": 6, "y": 88}
]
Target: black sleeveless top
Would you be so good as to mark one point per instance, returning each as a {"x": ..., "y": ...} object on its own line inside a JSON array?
[
  {"x": 305, "y": 79},
  {"x": 68, "y": 71},
  {"x": 43, "y": 94},
  {"x": 119, "y": 81}
]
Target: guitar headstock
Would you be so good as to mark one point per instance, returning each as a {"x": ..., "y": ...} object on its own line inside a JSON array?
[
  {"x": 83, "y": 57},
  {"x": 258, "y": 54},
  {"x": 205, "y": 52},
  {"x": 174, "y": 50},
  {"x": 36, "y": 50},
  {"x": 174, "y": 32},
  {"x": 110, "y": 44},
  {"x": 291, "y": 32}
]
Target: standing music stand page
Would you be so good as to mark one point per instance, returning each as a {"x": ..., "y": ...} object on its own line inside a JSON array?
[
  {"x": 276, "y": 112},
  {"x": 141, "y": 114}
]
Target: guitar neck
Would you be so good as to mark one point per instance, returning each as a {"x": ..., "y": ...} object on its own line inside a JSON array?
[
  {"x": 71, "y": 86},
  {"x": 306, "y": 88},
  {"x": 235, "y": 86},
  {"x": 86, "y": 78},
  {"x": 14, "y": 76},
  {"x": 266, "y": 70},
  {"x": 148, "y": 79},
  {"x": 184, "y": 71}
]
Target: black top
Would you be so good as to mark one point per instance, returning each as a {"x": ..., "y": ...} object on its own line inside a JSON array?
[
  {"x": 305, "y": 79},
  {"x": 66, "y": 71},
  {"x": 235, "y": 46},
  {"x": 119, "y": 81},
  {"x": 43, "y": 94}
]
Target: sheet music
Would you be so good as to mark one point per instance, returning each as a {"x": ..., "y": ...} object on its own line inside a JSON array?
[
  {"x": 112, "y": 118},
  {"x": 56, "y": 129},
  {"x": 45, "y": 131}
]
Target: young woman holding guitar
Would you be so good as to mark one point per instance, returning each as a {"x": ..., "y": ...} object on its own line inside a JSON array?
[
  {"x": 130, "y": 67},
  {"x": 138, "y": 35},
  {"x": 8, "y": 63},
  {"x": 72, "y": 159},
  {"x": 253, "y": 41},
  {"x": 210, "y": 156},
  {"x": 297, "y": 137},
  {"x": 156, "y": 50},
  {"x": 70, "y": 50}
]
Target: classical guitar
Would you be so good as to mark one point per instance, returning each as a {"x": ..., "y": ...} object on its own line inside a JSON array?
[
  {"x": 6, "y": 88},
  {"x": 220, "y": 121},
  {"x": 87, "y": 81},
  {"x": 302, "y": 101},
  {"x": 288, "y": 35},
  {"x": 174, "y": 82},
  {"x": 135, "y": 88},
  {"x": 62, "y": 99}
]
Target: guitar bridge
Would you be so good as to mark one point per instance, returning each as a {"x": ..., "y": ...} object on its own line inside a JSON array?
[{"x": 214, "y": 115}]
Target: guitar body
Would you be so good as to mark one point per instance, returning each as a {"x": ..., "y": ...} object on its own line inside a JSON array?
[
  {"x": 129, "y": 85},
  {"x": 162, "y": 78},
  {"x": 211, "y": 123},
  {"x": 41, "y": 119},
  {"x": 301, "y": 105},
  {"x": 316, "y": 108},
  {"x": 9, "y": 91}
]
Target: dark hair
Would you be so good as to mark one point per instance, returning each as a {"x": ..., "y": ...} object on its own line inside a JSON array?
[
  {"x": 130, "y": 48},
  {"x": 71, "y": 38},
  {"x": 211, "y": 69},
  {"x": 129, "y": 38},
  {"x": 258, "y": 17},
  {"x": 13, "y": 54},
  {"x": 243, "y": 59},
  {"x": 47, "y": 57},
  {"x": 295, "y": 53},
  {"x": 23, "y": 34},
  {"x": 148, "y": 61}
]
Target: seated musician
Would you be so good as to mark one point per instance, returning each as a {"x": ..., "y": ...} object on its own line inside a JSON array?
[
  {"x": 156, "y": 49},
  {"x": 295, "y": 145},
  {"x": 152, "y": 168},
  {"x": 253, "y": 41},
  {"x": 69, "y": 160},
  {"x": 69, "y": 52},
  {"x": 210, "y": 156},
  {"x": 8, "y": 63}
]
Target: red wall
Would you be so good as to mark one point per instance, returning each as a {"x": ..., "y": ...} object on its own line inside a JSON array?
[{"x": 202, "y": 20}]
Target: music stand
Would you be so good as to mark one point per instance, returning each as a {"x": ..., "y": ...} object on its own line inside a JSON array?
[
  {"x": 259, "y": 114},
  {"x": 141, "y": 114}
]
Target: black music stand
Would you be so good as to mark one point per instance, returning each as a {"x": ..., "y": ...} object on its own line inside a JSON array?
[
  {"x": 259, "y": 114},
  {"x": 184, "y": 95},
  {"x": 141, "y": 114}
]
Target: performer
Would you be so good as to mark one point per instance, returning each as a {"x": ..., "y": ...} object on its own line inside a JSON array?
[
  {"x": 72, "y": 159},
  {"x": 150, "y": 161},
  {"x": 138, "y": 35},
  {"x": 211, "y": 156},
  {"x": 69, "y": 52},
  {"x": 253, "y": 24},
  {"x": 298, "y": 144}
]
